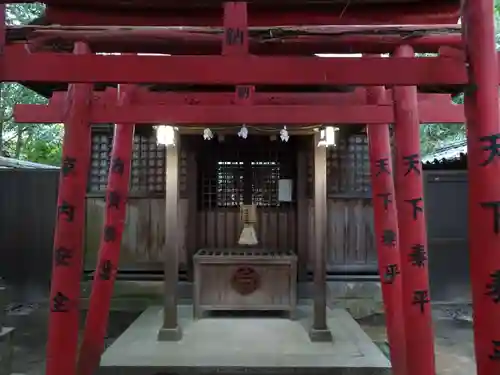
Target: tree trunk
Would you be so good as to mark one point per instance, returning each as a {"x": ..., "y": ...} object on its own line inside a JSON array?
[{"x": 19, "y": 140}]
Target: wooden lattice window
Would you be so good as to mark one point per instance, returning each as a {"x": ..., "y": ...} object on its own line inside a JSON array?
[
  {"x": 265, "y": 183},
  {"x": 348, "y": 166},
  {"x": 99, "y": 164},
  {"x": 244, "y": 171},
  {"x": 148, "y": 163},
  {"x": 229, "y": 183}
]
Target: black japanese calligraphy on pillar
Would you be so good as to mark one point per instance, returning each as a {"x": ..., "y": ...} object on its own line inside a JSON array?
[
  {"x": 417, "y": 255},
  {"x": 492, "y": 146},
  {"x": 412, "y": 163},
  {"x": 117, "y": 166},
  {"x": 391, "y": 271},
  {"x": 60, "y": 303},
  {"x": 105, "y": 270},
  {"x": 421, "y": 298},
  {"x": 382, "y": 166},
  {"x": 417, "y": 208},
  {"x": 109, "y": 233},
  {"x": 493, "y": 287},
  {"x": 389, "y": 237},
  {"x": 63, "y": 256},
  {"x": 386, "y": 199},
  {"x": 114, "y": 200},
  {"x": 68, "y": 165},
  {"x": 495, "y": 210},
  {"x": 495, "y": 356},
  {"x": 67, "y": 210},
  {"x": 243, "y": 92},
  {"x": 234, "y": 36}
]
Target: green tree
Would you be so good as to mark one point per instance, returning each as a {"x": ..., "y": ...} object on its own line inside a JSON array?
[
  {"x": 435, "y": 136},
  {"x": 35, "y": 142}
]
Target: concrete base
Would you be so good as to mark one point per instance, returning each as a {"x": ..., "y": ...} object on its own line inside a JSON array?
[
  {"x": 6, "y": 348},
  {"x": 170, "y": 334},
  {"x": 240, "y": 344},
  {"x": 320, "y": 335}
]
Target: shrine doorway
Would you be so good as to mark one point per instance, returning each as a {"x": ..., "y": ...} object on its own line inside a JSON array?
[{"x": 259, "y": 170}]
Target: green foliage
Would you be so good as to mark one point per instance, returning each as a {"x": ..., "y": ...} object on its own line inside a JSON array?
[
  {"x": 435, "y": 136},
  {"x": 35, "y": 142}
]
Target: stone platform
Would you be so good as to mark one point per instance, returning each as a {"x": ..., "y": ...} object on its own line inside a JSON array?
[{"x": 234, "y": 345}]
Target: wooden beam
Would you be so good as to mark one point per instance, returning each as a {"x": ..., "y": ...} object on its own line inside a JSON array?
[
  {"x": 287, "y": 41},
  {"x": 20, "y": 65},
  {"x": 442, "y": 12},
  {"x": 239, "y": 114},
  {"x": 145, "y": 97}
]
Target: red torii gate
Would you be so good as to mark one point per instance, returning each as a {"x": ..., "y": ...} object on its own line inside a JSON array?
[
  {"x": 149, "y": 107},
  {"x": 482, "y": 113}
]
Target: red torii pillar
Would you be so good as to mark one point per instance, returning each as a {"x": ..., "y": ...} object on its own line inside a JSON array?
[
  {"x": 109, "y": 252},
  {"x": 483, "y": 143},
  {"x": 68, "y": 238},
  {"x": 386, "y": 233},
  {"x": 412, "y": 230}
]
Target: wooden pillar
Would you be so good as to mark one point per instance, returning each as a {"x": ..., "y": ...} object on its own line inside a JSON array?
[
  {"x": 319, "y": 331},
  {"x": 386, "y": 233},
  {"x": 171, "y": 330},
  {"x": 109, "y": 252},
  {"x": 483, "y": 144},
  {"x": 302, "y": 207},
  {"x": 68, "y": 238},
  {"x": 3, "y": 27},
  {"x": 412, "y": 229}
]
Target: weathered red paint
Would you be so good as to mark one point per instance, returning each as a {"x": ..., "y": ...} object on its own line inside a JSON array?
[
  {"x": 197, "y": 43},
  {"x": 20, "y": 65},
  {"x": 386, "y": 234},
  {"x": 447, "y": 12},
  {"x": 68, "y": 238},
  {"x": 412, "y": 231},
  {"x": 145, "y": 97},
  {"x": 236, "y": 43},
  {"x": 483, "y": 142},
  {"x": 238, "y": 114},
  {"x": 109, "y": 252}
]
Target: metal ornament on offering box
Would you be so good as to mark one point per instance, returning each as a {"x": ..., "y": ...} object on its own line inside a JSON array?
[{"x": 248, "y": 216}]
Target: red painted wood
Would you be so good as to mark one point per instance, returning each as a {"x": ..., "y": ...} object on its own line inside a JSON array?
[
  {"x": 145, "y": 97},
  {"x": 483, "y": 135},
  {"x": 195, "y": 43},
  {"x": 2, "y": 41},
  {"x": 386, "y": 234},
  {"x": 109, "y": 251},
  {"x": 20, "y": 65},
  {"x": 235, "y": 39},
  {"x": 68, "y": 238},
  {"x": 235, "y": 43},
  {"x": 412, "y": 230},
  {"x": 238, "y": 114},
  {"x": 444, "y": 12}
]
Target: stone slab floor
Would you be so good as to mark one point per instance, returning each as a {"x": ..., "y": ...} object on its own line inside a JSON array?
[{"x": 453, "y": 331}]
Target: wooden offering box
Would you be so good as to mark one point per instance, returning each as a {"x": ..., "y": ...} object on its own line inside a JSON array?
[{"x": 244, "y": 279}]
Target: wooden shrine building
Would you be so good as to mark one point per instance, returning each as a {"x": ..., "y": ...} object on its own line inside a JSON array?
[{"x": 243, "y": 157}]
